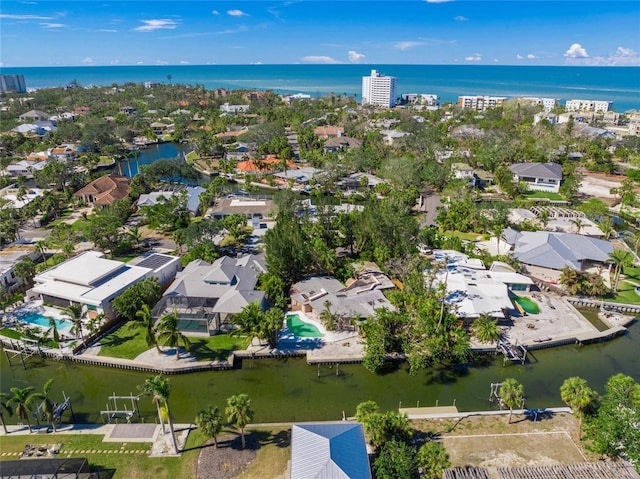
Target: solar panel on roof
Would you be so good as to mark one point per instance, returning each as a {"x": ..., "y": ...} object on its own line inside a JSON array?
[{"x": 155, "y": 261}]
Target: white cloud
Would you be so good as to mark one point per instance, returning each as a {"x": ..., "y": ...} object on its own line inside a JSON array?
[
  {"x": 53, "y": 25},
  {"x": 576, "y": 51},
  {"x": 215, "y": 12},
  {"x": 236, "y": 13},
  {"x": 107, "y": 30},
  {"x": 184, "y": 62},
  {"x": 161, "y": 62},
  {"x": 87, "y": 61},
  {"x": 438, "y": 1},
  {"x": 531, "y": 56},
  {"x": 460, "y": 18},
  {"x": 114, "y": 62},
  {"x": 156, "y": 24},
  {"x": 519, "y": 57},
  {"x": 24, "y": 17},
  {"x": 621, "y": 57},
  {"x": 407, "y": 45},
  {"x": 355, "y": 57},
  {"x": 318, "y": 59},
  {"x": 476, "y": 57}
]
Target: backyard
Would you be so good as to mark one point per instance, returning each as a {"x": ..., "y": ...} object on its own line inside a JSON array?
[{"x": 627, "y": 287}]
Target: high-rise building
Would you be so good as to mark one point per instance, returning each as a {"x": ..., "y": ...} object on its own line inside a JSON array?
[
  {"x": 12, "y": 83},
  {"x": 379, "y": 89}
]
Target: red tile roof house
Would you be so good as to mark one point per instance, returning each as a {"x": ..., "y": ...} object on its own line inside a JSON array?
[{"x": 105, "y": 190}]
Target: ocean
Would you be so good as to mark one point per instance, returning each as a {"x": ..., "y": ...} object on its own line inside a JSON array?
[{"x": 621, "y": 85}]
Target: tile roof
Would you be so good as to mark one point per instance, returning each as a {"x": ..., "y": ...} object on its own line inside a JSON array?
[{"x": 106, "y": 189}]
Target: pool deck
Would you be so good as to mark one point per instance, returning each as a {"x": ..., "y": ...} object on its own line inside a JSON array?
[{"x": 36, "y": 307}]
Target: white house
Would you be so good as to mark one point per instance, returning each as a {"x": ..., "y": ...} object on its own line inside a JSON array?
[
  {"x": 463, "y": 171},
  {"x": 93, "y": 282},
  {"x": 538, "y": 176}
]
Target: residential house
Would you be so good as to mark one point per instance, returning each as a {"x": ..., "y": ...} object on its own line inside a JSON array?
[
  {"x": 160, "y": 128},
  {"x": 465, "y": 172},
  {"x": 34, "y": 115},
  {"x": 10, "y": 255},
  {"x": 257, "y": 165},
  {"x": 93, "y": 282},
  {"x": 355, "y": 181},
  {"x": 358, "y": 300},
  {"x": 12, "y": 194},
  {"x": 340, "y": 143},
  {"x": 545, "y": 254},
  {"x": 390, "y": 136},
  {"x": 329, "y": 450},
  {"x": 206, "y": 295},
  {"x": 234, "y": 109},
  {"x": 250, "y": 207},
  {"x": 63, "y": 153},
  {"x": 325, "y": 132},
  {"x": 192, "y": 194},
  {"x": 480, "y": 103},
  {"x": 24, "y": 168},
  {"x": 299, "y": 177},
  {"x": 549, "y": 117},
  {"x": 105, "y": 190},
  {"x": 238, "y": 151},
  {"x": 127, "y": 110},
  {"x": 538, "y": 176},
  {"x": 471, "y": 289}
]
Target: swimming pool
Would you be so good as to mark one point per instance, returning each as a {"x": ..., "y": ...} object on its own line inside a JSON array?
[
  {"x": 529, "y": 305},
  {"x": 38, "y": 319},
  {"x": 302, "y": 329}
]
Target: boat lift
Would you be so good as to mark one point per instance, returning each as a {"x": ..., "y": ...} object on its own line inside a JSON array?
[{"x": 114, "y": 411}]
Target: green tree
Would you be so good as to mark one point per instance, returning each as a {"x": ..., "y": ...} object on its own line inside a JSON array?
[
  {"x": 486, "y": 329},
  {"x": 271, "y": 324},
  {"x": 578, "y": 396},
  {"x": 239, "y": 412},
  {"x": 396, "y": 460},
  {"x": 23, "y": 399},
  {"x": 148, "y": 291},
  {"x": 432, "y": 460},
  {"x": 364, "y": 409},
  {"x": 209, "y": 421},
  {"x": 512, "y": 394},
  {"x": 48, "y": 407},
  {"x": 169, "y": 333},
  {"x": 620, "y": 259},
  {"x": 25, "y": 269},
  {"x": 159, "y": 389},
  {"x": 4, "y": 407},
  {"x": 74, "y": 311},
  {"x": 248, "y": 320},
  {"x": 383, "y": 427}
]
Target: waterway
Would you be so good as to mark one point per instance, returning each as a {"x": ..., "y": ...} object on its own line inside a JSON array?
[
  {"x": 146, "y": 156},
  {"x": 291, "y": 390}
]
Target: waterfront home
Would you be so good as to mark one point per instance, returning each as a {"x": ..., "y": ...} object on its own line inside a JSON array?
[
  {"x": 471, "y": 289},
  {"x": 257, "y": 165},
  {"x": 63, "y": 153},
  {"x": 329, "y": 450},
  {"x": 538, "y": 176},
  {"x": 10, "y": 255},
  {"x": 93, "y": 282},
  {"x": 24, "y": 168},
  {"x": 358, "y": 300},
  {"x": 299, "y": 178},
  {"x": 13, "y": 194},
  {"x": 104, "y": 191},
  {"x": 544, "y": 254},
  {"x": 206, "y": 295}
]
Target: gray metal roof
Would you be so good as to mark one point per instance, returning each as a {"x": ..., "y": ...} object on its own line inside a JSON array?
[
  {"x": 557, "y": 250},
  {"x": 329, "y": 451},
  {"x": 538, "y": 170}
]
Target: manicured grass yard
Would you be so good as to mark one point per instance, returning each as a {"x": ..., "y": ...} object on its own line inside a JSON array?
[
  {"x": 544, "y": 194},
  {"x": 128, "y": 342},
  {"x": 627, "y": 289},
  {"x": 463, "y": 236},
  {"x": 124, "y": 464}
]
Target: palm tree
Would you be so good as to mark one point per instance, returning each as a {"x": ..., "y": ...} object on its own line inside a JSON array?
[
  {"x": 578, "y": 396},
  {"x": 144, "y": 313},
  {"x": 159, "y": 389},
  {"x": 248, "y": 320},
  {"x": 4, "y": 406},
  {"x": 635, "y": 237},
  {"x": 486, "y": 329},
  {"x": 512, "y": 394},
  {"x": 606, "y": 225},
  {"x": 239, "y": 412},
  {"x": 620, "y": 259},
  {"x": 23, "y": 398},
  {"x": 53, "y": 328},
  {"x": 209, "y": 421},
  {"x": 328, "y": 317},
  {"x": 74, "y": 311},
  {"x": 169, "y": 333},
  {"x": 578, "y": 223},
  {"x": 48, "y": 407},
  {"x": 135, "y": 235}
]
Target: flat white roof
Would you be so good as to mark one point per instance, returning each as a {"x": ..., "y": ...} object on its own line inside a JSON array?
[{"x": 85, "y": 269}]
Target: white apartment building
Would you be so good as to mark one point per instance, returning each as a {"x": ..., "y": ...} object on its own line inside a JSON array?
[
  {"x": 480, "y": 103},
  {"x": 379, "y": 90},
  {"x": 547, "y": 104},
  {"x": 588, "y": 105},
  {"x": 425, "y": 99}
]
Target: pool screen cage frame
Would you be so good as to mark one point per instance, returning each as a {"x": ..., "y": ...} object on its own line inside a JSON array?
[
  {"x": 53, "y": 468},
  {"x": 190, "y": 308}
]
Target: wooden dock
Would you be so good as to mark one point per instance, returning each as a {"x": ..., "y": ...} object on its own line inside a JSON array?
[{"x": 512, "y": 352}]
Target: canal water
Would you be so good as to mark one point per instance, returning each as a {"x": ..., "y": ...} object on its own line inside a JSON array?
[
  {"x": 291, "y": 390},
  {"x": 129, "y": 167}
]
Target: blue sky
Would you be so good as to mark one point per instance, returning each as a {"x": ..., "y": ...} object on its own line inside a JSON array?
[{"x": 157, "y": 32}]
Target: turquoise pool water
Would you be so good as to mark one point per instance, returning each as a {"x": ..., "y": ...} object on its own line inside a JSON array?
[
  {"x": 302, "y": 329},
  {"x": 529, "y": 305},
  {"x": 38, "y": 319}
]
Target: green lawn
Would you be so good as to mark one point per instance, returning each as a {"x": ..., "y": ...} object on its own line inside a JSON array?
[
  {"x": 627, "y": 291},
  {"x": 544, "y": 194},
  {"x": 124, "y": 465},
  {"x": 128, "y": 342},
  {"x": 463, "y": 236}
]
